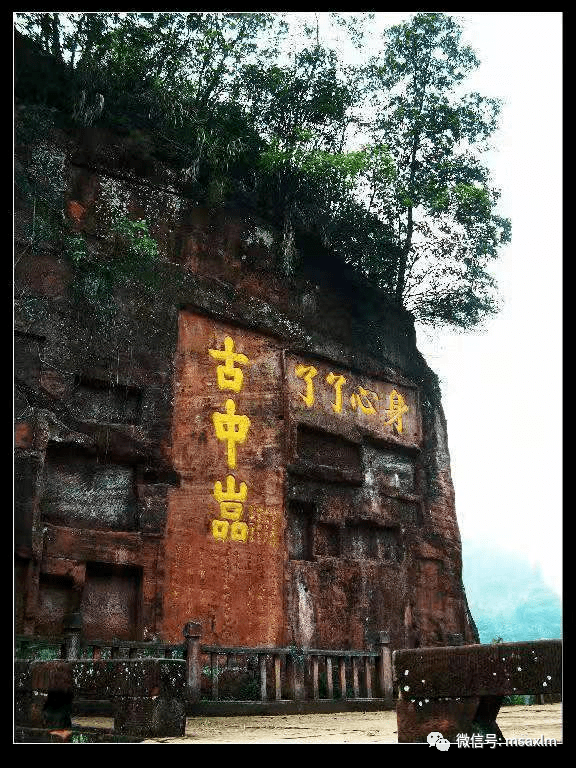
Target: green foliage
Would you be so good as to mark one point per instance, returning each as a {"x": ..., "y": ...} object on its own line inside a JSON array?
[
  {"x": 438, "y": 200},
  {"x": 40, "y": 185},
  {"x": 249, "y": 690},
  {"x": 131, "y": 260},
  {"x": 135, "y": 248},
  {"x": 36, "y": 651},
  {"x": 76, "y": 249},
  {"x": 246, "y": 121},
  {"x": 517, "y": 700}
]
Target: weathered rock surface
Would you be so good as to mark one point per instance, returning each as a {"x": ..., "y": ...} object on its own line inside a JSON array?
[{"x": 263, "y": 454}]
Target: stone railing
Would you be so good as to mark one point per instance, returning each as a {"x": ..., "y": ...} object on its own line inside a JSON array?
[
  {"x": 216, "y": 674},
  {"x": 147, "y": 697},
  {"x": 295, "y": 673},
  {"x": 460, "y": 690}
]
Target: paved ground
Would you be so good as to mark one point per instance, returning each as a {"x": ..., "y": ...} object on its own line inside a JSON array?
[{"x": 342, "y": 728}]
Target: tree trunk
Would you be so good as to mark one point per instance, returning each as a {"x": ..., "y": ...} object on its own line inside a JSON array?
[
  {"x": 403, "y": 259},
  {"x": 287, "y": 249}
]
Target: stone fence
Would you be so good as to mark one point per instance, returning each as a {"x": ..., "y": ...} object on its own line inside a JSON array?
[
  {"x": 149, "y": 687},
  {"x": 460, "y": 690},
  {"x": 147, "y": 696}
]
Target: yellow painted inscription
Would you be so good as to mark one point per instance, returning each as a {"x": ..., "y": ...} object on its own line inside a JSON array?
[
  {"x": 307, "y": 373},
  {"x": 232, "y": 429},
  {"x": 221, "y": 528},
  {"x": 364, "y": 400},
  {"x": 263, "y": 526},
  {"x": 361, "y": 400},
  {"x": 228, "y": 376},
  {"x": 396, "y": 410},
  {"x": 337, "y": 382},
  {"x": 230, "y": 500}
]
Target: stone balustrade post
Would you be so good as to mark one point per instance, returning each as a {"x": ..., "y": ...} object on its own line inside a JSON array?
[
  {"x": 329, "y": 678},
  {"x": 295, "y": 662},
  {"x": 192, "y": 634},
  {"x": 262, "y": 665},
  {"x": 368, "y": 676},
  {"x": 277, "y": 677},
  {"x": 385, "y": 668},
  {"x": 72, "y": 625}
]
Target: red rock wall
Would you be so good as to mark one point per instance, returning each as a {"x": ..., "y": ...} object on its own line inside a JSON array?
[
  {"x": 348, "y": 526},
  {"x": 224, "y": 553}
]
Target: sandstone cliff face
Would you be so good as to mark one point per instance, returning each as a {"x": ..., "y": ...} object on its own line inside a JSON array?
[{"x": 263, "y": 454}]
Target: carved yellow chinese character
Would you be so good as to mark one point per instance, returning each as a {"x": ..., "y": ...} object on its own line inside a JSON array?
[
  {"x": 230, "y": 500},
  {"x": 239, "y": 532},
  {"x": 337, "y": 382},
  {"x": 397, "y": 408},
  {"x": 231, "y": 428},
  {"x": 307, "y": 372},
  {"x": 220, "y": 529},
  {"x": 231, "y": 510},
  {"x": 361, "y": 400},
  {"x": 230, "y": 494},
  {"x": 228, "y": 376}
]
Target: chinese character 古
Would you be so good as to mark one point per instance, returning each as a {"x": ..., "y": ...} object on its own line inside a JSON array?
[{"x": 228, "y": 376}]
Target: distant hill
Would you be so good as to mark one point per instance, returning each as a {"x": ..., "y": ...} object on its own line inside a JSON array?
[{"x": 507, "y": 596}]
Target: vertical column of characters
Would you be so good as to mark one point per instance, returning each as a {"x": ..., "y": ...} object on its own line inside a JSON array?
[{"x": 232, "y": 429}]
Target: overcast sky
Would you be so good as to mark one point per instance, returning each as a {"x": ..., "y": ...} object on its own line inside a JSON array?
[{"x": 502, "y": 390}]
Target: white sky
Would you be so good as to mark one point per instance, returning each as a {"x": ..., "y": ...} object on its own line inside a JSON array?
[{"x": 502, "y": 390}]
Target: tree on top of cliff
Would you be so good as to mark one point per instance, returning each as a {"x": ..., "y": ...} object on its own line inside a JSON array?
[
  {"x": 409, "y": 204},
  {"x": 430, "y": 185}
]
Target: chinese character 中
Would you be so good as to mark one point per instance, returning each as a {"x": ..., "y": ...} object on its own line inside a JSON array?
[
  {"x": 337, "y": 382},
  {"x": 228, "y": 376},
  {"x": 396, "y": 410},
  {"x": 307, "y": 372},
  {"x": 231, "y": 428}
]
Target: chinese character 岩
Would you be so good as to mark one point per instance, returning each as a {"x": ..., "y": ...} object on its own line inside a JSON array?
[{"x": 230, "y": 500}]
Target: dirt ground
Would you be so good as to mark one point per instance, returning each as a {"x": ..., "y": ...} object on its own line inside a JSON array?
[{"x": 342, "y": 728}]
